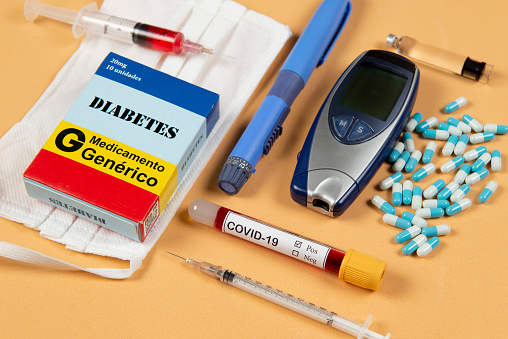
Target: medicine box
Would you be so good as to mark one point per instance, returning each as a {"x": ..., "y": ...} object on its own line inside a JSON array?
[{"x": 123, "y": 147}]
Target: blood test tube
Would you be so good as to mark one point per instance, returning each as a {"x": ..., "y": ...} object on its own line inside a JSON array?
[{"x": 352, "y": 266}]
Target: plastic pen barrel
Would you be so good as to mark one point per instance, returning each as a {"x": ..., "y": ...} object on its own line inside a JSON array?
[
  {"x": 352, "y": 266},
  {"x": 310, "y": 51}
]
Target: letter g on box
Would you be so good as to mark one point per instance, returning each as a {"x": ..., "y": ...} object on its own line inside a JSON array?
[{"x": 70, "y": 140}]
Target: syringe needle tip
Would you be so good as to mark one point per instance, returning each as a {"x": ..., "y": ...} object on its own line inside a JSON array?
[
  {"x": 177, "y": 255},
  {"x": 208, "y": 50}
]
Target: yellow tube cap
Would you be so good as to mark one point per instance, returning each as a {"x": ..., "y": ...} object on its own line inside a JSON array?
[{"x": 362, "y": 270}]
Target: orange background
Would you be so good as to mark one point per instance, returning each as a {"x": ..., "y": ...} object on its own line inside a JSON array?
[{"x": 458, "y": 291}]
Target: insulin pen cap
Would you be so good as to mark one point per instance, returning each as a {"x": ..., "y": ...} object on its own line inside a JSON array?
[{"x": 362, "y": 270}]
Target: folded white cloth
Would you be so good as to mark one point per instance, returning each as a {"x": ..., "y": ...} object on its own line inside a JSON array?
[{"x": 245, "y": 42}]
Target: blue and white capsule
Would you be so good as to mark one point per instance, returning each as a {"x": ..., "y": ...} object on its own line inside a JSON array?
[
  {"x": 407, "y": 192},
  {"x": 399, "y": 165},
  {"x": 459, "y": 206},
  {"x": 460, "y": 194},
  {"x": 475, "y": 177},
  {"x": 415, "y": 120},
  {"x": 397, "y": 194},
  {"x": 392, "y": 179},
  {"x": 424, "y": 172},
  {"x": 396, "y": 152},
  {"x": 409, "y": 143},
  {"x": 435, "y": 134},
  {"x": 455, "y": 105},
  {"x": 465, "y": 128},
  {"x": 414, "y": 220},
  {"x": 396, "y": 221},
  {"x": 449, "y": 128},
  {"x": 382, "y": 204},
  {"x": 424, "y": 125},
  {"x": 416, "y": 203},
  {"x": 450, "y": 165},
  {"x": 414, "y": 244},
  {"x": 407, "y": 234},
  {"x": 475, "y": 153},
  {"x": 427, "y": 212},
  {"x": 481, "y": 162},
  {"x": 450, "y": 145},
  {"x": 426, "y": 248},
  {"x": 460, "y": 148},
  {"x": 475, "y": 124},
  {"x": 495, "y": 163},
  {"x": 448, "y": 191},
  {"x": 428, "y": 154},
  {"x": 497, "y": 129},
  {"x": 481, "y": 137},
  {"x": 435, "y": 203},
  {"x": 438, "y": 230},
  {"x": 461, "y": 175},
  {"x": 414, "y": 159},
  {"x": 486, "y": 193},
  {"x": 431, "y": 191}
]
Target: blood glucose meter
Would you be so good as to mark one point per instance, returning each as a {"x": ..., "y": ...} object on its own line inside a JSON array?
[{"x": 354, "y": 131}]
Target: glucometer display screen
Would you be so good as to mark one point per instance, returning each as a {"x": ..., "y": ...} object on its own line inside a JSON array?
[{"x": 373, "y": 91}]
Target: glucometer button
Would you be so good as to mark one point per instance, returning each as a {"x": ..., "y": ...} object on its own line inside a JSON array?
[
  {"x": 341, "y": 125},
  {"x": 360, "y": 130}
]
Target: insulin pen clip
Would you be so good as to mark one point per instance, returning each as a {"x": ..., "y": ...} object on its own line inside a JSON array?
[
  {"x": 310, "y": 51},
  {"x": 435, "y": 56},
  {"x": 89, "y": 19},
  {"x": 286, "y": 300},
  {"x": 352, "y": 266}
]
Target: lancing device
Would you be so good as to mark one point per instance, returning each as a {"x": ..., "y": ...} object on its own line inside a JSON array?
[{"x": 354, "y": 131}]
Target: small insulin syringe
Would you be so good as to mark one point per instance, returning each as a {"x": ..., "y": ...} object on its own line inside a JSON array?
[
  {"x": 89, "y": 19},
  {"x": 286, "y": 300}
]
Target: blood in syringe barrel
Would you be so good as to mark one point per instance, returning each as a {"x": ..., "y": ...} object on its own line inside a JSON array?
[
  {"x": 158, "y": 38},
  {"x": 332, "y": 262}
]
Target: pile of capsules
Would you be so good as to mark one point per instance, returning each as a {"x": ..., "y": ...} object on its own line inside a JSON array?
[{"x": 451, "y": 197}]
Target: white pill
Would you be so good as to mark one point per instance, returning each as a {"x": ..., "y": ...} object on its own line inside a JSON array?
[
  {"x": 461, "y": 145},
  {"x": 474, "y": 153},
  {"x": 426, "y": 248},
  {"x": 400, "y": 163},
  {"x": 496, "y": 161},
  {"x": 396, "y": 221},
  {"x": 416, "y": 203},
  {"x": 409, "y": 144},
  {"x": 388, "y": 182},
  {"x": 450, "y": 165},
  {"x": 450, "y": 145},
  {"x": 433, "y": 189},
  {"x": 462, "y": 174},
  {"x": 438, "y": 230},
  {"x": 475, "y": 124},
  {"x": 481, "y": 137}
]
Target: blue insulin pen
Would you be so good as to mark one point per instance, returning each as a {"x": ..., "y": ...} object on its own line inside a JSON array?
[
  {"x": 354, "y": 131},
  {"x": 310, "y": 51}
]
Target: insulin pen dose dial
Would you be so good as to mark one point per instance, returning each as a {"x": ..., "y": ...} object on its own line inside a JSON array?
[{"x": 361, "y": 107}]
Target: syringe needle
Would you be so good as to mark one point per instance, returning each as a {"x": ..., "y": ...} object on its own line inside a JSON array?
[
  {"x": 286, "y": 300},
  {"x": 208, "y": 50},
  {"x": 177, "y": 255}
]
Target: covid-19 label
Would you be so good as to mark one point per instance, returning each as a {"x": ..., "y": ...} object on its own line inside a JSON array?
[{"x": 278, "y": 240}]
